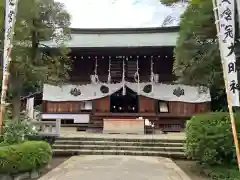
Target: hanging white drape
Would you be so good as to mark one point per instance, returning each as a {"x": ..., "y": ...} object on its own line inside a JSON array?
[
  {"x": 162, "y": 92},
  {"x": 152, "y": 75},
  {"x": 123, "y": 78},
  {"x": 88, "y": 92},
  {"x": 137, "y": 77},
  {"x": 165, "y": 92},
  {"x": 95, "y": 78},
  {"x": 109, "y": 70}
]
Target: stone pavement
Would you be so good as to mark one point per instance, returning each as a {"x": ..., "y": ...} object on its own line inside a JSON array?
[
  {"x": 116, "y": 168},
  {"x": 71, "y": 132}
]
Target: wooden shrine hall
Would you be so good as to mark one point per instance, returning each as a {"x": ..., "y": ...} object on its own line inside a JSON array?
[{"x": 121, "y": 82}]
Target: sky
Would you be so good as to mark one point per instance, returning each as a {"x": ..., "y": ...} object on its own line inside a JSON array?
[{"x": 121, "y": 13}]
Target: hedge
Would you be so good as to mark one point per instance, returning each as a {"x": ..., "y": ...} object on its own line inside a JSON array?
[
  {"x": 24, "y": 157},
  {"x": 222, "y": 172},
  {"x": 209, "y": 138}
]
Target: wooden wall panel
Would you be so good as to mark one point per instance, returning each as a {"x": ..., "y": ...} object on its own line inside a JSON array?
[
  {"x": 203, "y": 107},
  {"x": 147, "y": 104},
  {"x": 63, "y": 107},
  {"x": 102, "y": 105},
  {"x": 184, "y": 108},
  {"x": 181, "y": 108}
]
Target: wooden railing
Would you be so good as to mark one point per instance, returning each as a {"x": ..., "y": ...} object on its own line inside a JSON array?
[{"x": 48, "y": 128}]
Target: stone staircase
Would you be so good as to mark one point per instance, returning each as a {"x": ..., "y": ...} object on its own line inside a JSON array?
[{"x": 68, "y": 146}]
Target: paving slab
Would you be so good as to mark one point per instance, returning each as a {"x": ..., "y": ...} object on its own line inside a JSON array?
[
  {"x": 116, "y": 168},
  {"x": 71, "y": 132}
]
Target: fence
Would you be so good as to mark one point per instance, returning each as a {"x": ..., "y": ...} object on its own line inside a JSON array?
[{"x": 48, "y": 128}]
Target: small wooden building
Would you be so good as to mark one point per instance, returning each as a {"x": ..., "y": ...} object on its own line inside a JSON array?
[{"x": 123, "y": 74}]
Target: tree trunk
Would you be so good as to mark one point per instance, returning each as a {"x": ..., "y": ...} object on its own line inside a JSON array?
[
  {"x": 16, "y": 106},
  {"x": 35, "y": 41},
  {"x": 15, "y": 88}
]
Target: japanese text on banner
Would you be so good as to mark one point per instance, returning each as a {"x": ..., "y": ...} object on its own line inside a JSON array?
[
  {"x": 226, "y": 14},
  {"x": 10, "y": 17}
]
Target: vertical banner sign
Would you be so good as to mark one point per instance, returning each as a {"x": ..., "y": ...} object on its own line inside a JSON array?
[
  {"x": 238, "y": 9},
  {"x": 226, "y": 14},
  {"x": 10, "y": 18}
]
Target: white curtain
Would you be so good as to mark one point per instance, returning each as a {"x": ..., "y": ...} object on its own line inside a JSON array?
[
  {"x": 88, "y": 92},
  {"x": 165, "y": 92}
]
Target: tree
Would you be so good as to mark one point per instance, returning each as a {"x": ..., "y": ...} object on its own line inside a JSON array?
[
  {"x": 33, "y": 64},
  {"x": 197, "y": 57},
  {"x": 170, "y": 2}
]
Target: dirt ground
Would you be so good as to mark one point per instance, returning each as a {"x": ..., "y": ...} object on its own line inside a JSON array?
[{"x": 191, "y": 169}]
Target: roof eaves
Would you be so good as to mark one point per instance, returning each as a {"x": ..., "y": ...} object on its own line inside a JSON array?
[{"x": 125, "y": 30}]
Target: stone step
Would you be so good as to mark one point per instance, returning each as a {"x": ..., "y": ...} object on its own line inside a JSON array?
[
  {"x": 71, "y": 152},
  {"x": 115, "y": 148},
  {"x": 112, "y": 143},
  {"x": 122, "y": 139}
]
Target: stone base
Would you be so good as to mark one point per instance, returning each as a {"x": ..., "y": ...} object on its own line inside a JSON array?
[
  {"x": 23, "y": 176},
  {"x": 123, "y": 126}
]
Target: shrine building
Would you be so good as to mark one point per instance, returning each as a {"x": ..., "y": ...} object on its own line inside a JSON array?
[{"x": 123, "y": 76}]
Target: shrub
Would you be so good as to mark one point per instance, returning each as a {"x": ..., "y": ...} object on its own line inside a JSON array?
[
  {"x": 222, "y": 172},
  {"x": 16, "y": 131},
  {"x": 209, "y": 138},
  {"x": 24, "y": 157},
  {"x": 49, "y": 139},
  {"x": 1, "y": 139}
]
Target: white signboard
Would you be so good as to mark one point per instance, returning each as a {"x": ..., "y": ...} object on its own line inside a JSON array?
[
  {"x": 10, "y": 18},
  {"x": 226, "y": 12}
]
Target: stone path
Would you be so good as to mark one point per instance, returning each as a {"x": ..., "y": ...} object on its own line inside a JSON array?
[{"x": 116, "y": 168}]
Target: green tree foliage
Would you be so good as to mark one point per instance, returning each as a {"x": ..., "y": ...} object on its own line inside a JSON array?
[
  {"x": 169, "y": 2},
  {"x": 32, "y": 63},
  {"x": 196, "y": 56}
]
